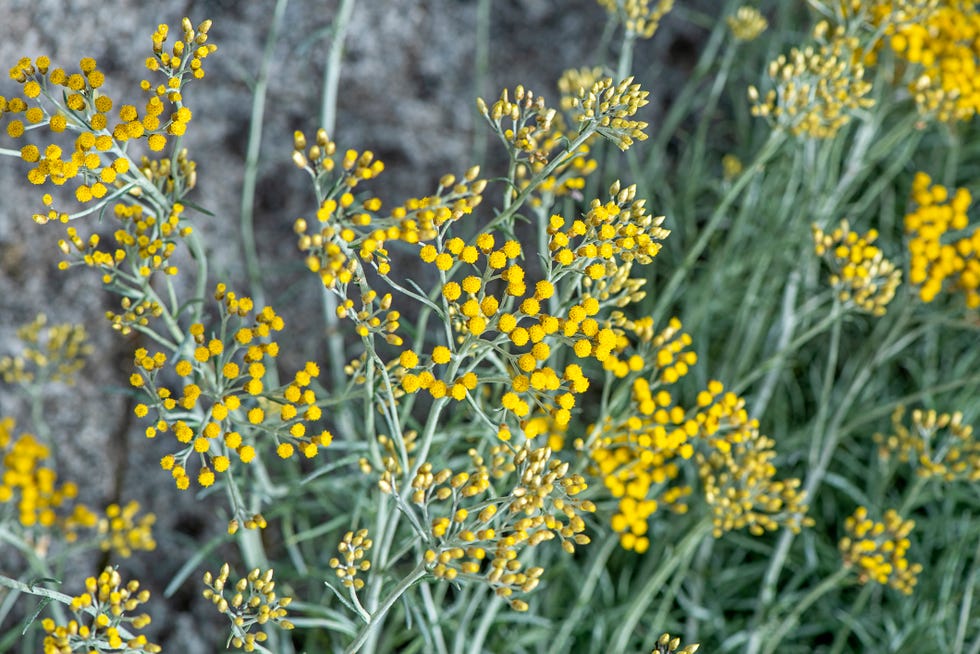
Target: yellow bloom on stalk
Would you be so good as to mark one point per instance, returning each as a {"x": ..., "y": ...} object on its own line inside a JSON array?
[
  {"x": 121, "y": 531},
  {"x": 938, "y": 445},
  {"x": 111, "y": 602},
  {"x": 223, "y": 395},
  {"x": 816, "y": 89},
  {"x": 640, "y": 17},
  {"x": 941, "y": 250},
  {"x": 860, "y": 274},
  {"x": 30, "y": 487},
  {"x": 747, "y": 23},
  {"x": 51, "y": 353},
  {"x": 876, "y": 550},
  {"x": 938, "y": 39},
  {"x": 250, "y": 601}
]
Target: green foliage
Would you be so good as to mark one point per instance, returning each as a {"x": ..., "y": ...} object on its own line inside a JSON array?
[{"x": 607, "y": 409}]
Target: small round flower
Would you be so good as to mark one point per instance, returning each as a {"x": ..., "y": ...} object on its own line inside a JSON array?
[
  {"x": 441, "y": 354},
  {"x": 156, "y": 142}
]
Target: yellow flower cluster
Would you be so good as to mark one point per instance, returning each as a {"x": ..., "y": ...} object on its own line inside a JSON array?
[
  {"x": 528, "y": 120},
  {"x": 638, "y": 459},
  {"x": 28, "y": 484},
  {"x": 98, "y": 160},
  {"x": 251, "y": 601},
  {"x": 939, "y": 445},
  {"x": 529, "y": 328},
  {"x": 940, "y": 248},
  {"x": 353, "y": 547},
  {"x": 608, "y": 106},
  {"x": 133, "y": 315},
  {"x": 740, "y": 485},
  {"x": 352, "y": 233},
  {"x": 374, "y": 317},
  {"x": 939, "y": 40},
  {"x": 640, "y": 17},
  {"x": 482, "y": 539},
  {"x": 747, "y": 23},
  {"x": 50, "y": 354},
  {"x": 876, "y": 550},
  {"x": 860, "y": 273},
  {"x": 142, "y": 246},
  {"x": 224, "y": 395},
  {"x": 574, "y": 82},
  {"x": 816, "y": 90},
  {"x": 122, "y": 531},
  {"x": 100, "y": 613},
  {"x": 668, "y": 645}
]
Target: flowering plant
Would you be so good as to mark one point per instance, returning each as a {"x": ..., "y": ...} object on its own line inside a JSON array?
[{"x": 533, "y": 402}]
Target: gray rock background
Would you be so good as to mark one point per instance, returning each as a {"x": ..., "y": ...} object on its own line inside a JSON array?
[{"x": 407, "y": 92}]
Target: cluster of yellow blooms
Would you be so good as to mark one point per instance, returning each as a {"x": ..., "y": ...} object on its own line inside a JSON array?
[
  {"x": 351, "y": 232},
  {"x": 939, "y": 39},
  {"x": 541, "y": 133},
  {"x": 747, "y": 23},
  {"x": 638, "y": 459},
  {"x": 100, "y": 613},
  {"x": 144, "y": 242},
  {"x": 860, "y": 273},
  {"x": 635, "y": 456},
  {"x": 815, "y": 90},
  {"x": 740, "y": 486},
  {"x": 527, "y": 329},
  {"x": 27, "y": 481},
  {"x": 122, "y": 530},
  {"x": 482, "y": 538},
  {"x": 252, "y": 601},
  {"x": 940, "y": 248},
  {"x": 353, "y": 547},
  {"x": 668, "y": 645},
  {"x": 225, "y": 392},
  {"x": 50, "y": 354},
  {"x": 939, "y": 445},
  {"x": 98, "y": 157},
  {"x": 528, "y": 121},
  {"x": 877, "y": 549},
  {"x": 29, "y": 484},
  {"x": 610, "y": 106},
  {"x": 641, "y": 18}
]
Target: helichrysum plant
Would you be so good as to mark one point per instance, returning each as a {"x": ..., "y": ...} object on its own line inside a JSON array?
[{"x": 572, "y": 401}]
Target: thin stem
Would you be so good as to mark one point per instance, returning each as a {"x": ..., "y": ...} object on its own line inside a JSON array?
[
  {"x": 61, "y": 598},
  {"x": 489, "y": 613},
  {"x": 685, "y": 549},
  {"x": 481, "y": 67},
  {"x": 840, "y": 640},
  {"x": 583, "y": 601},
  {"x": 787, "y": 324},
  {"x": 823, "y": 456},
  {"x": 331, "y": 73},
  {"x": 377, "y": 616},
  {"x": 253, "y": 149},
  {"x": 328, "y": 120},
  {"x": 715, "y": 221},
  {"x": 790, "y": 621},
  {"x": 432, "y": 613},
  {"x": 964, "y": 617}
]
